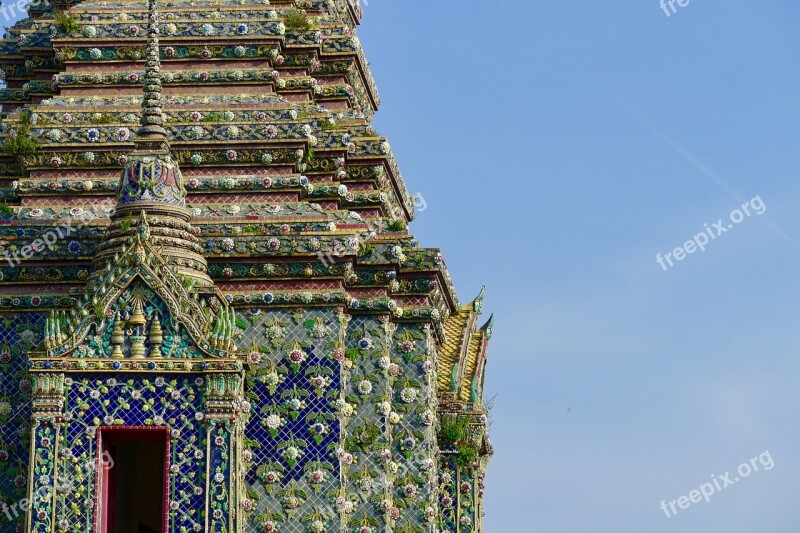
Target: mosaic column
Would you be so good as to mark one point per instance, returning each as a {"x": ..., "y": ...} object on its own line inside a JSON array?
[
  {"x": 412, "y": 370},
  {"x": 461, "y": 481},
  {"x": 223, "y": 407},
  {"x": 48, "y": 404},
  {"x": 367, "y": 463}
]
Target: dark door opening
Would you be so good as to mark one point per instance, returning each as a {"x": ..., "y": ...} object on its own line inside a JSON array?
[{"x": 133, "y": 480}]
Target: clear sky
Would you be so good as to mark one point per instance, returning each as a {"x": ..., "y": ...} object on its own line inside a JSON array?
[{"x": 560, "y": 145}]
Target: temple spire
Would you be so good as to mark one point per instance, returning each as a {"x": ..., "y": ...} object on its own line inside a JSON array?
[
  {"x": 151, "y": 198},
  {"x": 152, "y": 122},
  {"x": 151, "y": 180}
]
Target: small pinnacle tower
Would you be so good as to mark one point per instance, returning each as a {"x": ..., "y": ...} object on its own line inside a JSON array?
[
  {"x": 151, "y": 185},
  {"x": 152, "y": 105}
]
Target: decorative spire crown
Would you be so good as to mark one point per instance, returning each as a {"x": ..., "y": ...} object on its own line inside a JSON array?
[{"x": 152, "y": 122}]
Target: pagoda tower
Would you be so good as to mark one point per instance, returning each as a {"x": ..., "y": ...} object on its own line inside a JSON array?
[{"x": 213, "y": 316}]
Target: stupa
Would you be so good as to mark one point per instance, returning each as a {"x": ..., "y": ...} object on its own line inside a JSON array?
[{"x": 213, "y": 316}]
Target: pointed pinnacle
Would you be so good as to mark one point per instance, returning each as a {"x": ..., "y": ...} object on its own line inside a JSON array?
[{"x": 152, "y": 122}]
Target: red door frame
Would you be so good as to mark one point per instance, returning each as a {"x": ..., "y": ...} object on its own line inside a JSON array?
[{"x": 104, "y": 480}]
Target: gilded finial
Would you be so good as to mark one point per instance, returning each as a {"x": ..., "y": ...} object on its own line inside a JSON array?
[
  {"x": 156, "y": 337},
  {"x": 117, "y": 338},
  {"x": 137, "y": 318}
]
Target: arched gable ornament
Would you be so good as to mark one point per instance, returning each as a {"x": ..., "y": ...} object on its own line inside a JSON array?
[{"x": 208, "y": 319}]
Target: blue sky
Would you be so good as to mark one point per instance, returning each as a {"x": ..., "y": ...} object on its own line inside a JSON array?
[{"x": 560, "y": 146}]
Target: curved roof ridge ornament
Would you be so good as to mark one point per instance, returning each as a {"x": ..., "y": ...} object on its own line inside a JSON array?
[
  {"x": 477, "y": 304},
  {"x": 487, "y": 328}
]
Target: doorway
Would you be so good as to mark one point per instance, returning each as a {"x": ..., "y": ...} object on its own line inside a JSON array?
[{"x": 133, "y": 480}]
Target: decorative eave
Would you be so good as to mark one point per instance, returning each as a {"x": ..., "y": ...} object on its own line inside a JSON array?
[{"x": 462, "y": 357}]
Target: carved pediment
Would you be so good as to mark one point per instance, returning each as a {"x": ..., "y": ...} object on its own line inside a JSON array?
[{"x": 140, "y": 307}]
